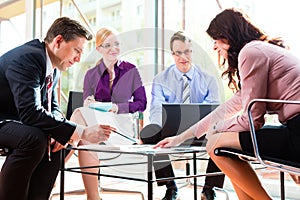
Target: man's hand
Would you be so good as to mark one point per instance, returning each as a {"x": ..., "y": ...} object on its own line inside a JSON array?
[
  {"x": 97, "y": 133},
  {"x": 56, "y": 146}
]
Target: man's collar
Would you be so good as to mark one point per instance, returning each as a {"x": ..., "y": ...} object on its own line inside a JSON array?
[
  {"x": 189, "y": 74},
  {"x": 49, "y": 67}
]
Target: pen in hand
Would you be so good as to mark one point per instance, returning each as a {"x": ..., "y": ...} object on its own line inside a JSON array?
[{"x": 125, "y": 136}]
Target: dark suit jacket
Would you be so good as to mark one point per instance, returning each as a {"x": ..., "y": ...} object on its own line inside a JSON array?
[{"x": 23, "y": 91}]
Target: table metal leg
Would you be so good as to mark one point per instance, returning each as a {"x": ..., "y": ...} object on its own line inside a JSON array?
[
  {"x": 150, "y": 182},
  {"x": 282, "y": 189},
  {"x": 62, "y": 174},
  {"x": 195, "y": 173}
]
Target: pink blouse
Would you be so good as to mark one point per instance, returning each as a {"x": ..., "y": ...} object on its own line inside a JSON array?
[{"x": 266, "y": 71}]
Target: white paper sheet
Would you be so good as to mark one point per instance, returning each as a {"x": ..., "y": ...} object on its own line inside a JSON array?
[{"x": 122, "y": 122}]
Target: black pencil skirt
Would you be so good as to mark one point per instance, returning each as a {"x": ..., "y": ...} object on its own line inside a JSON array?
[{"x": 277, "y": 141}]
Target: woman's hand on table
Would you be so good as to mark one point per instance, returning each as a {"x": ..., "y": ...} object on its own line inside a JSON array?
[{"x": 168, "y": 142}]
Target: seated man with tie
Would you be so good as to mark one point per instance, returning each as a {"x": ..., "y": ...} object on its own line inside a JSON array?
[
  {"x": 182, "y": 82},
  {"x": 32, "y": 125}
]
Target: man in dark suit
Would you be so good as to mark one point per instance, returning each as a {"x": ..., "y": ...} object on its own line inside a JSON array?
[{"x": 30, "y": 115}]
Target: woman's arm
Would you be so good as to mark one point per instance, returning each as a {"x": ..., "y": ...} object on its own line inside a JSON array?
[{"x": 137, "y": 92}]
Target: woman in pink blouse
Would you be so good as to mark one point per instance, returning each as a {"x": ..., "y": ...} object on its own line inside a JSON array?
[{"x": 257, "y": 66}]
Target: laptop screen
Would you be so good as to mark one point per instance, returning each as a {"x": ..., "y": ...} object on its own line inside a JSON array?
[{"x": 176, "y": 118}]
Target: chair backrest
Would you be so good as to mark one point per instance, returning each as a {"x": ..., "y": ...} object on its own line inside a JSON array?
[{"x": 75, "y": 101}]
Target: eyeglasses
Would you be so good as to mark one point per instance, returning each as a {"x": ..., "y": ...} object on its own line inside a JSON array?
[
  {"x": 179, "y": 53},
  {"x": 109, "y": 46}
]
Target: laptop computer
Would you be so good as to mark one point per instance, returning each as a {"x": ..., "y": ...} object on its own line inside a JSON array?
[{"x": 176, "y": 118}]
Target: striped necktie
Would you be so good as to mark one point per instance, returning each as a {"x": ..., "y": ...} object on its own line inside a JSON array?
[
  {"x": 186, "y": 98},
  {"x": 49, "y": 82}
]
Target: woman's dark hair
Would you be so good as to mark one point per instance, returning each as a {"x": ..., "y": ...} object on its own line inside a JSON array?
[
  {"x": 69, "y": 29},
  {"x": 235, "y": 27}
]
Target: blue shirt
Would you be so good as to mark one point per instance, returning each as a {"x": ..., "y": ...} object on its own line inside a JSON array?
[{"x": 167, "y": 87}]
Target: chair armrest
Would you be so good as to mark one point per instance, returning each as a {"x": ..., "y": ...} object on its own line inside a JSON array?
[{"x": 277, "y": 165}]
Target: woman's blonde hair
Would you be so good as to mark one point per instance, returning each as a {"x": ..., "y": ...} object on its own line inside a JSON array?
[{"x": 103, "y": 33}]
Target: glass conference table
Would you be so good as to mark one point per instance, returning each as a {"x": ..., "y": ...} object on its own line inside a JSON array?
[{"x": 143, "y": 150}]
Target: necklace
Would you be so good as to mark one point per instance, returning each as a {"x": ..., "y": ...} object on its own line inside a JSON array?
[
  {"x": 112, "y": 77},
  {"x": 111, "y": 73}
]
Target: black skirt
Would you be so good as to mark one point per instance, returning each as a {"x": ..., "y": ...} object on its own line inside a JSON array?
[{"x": 276, "y": 141}]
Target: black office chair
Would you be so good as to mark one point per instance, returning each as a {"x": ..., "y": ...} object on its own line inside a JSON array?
[{"x": 75, "y": 101}]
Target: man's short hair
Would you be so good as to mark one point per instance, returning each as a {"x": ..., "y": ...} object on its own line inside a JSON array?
[
  {"x": 69, "y": 29},
  {"x": 179, "y": 35}
]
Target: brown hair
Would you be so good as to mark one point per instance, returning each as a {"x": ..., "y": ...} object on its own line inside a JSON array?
[
  {"x": 234, "y": 26},
  {"x": 179, "y": 35},
  {"x": 69, "y": 29}
]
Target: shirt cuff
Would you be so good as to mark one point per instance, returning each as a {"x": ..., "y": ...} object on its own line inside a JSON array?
[{"x": 74, "y": 140}]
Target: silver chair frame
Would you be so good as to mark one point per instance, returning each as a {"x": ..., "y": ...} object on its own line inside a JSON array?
[
  {"x": 271, "y": 164},
  {"x": 265, "y": 162}
]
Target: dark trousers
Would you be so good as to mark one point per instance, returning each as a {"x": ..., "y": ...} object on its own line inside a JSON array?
[
  {"x": 26, "y": 173},
  {"x": 151, "y": 134}
]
